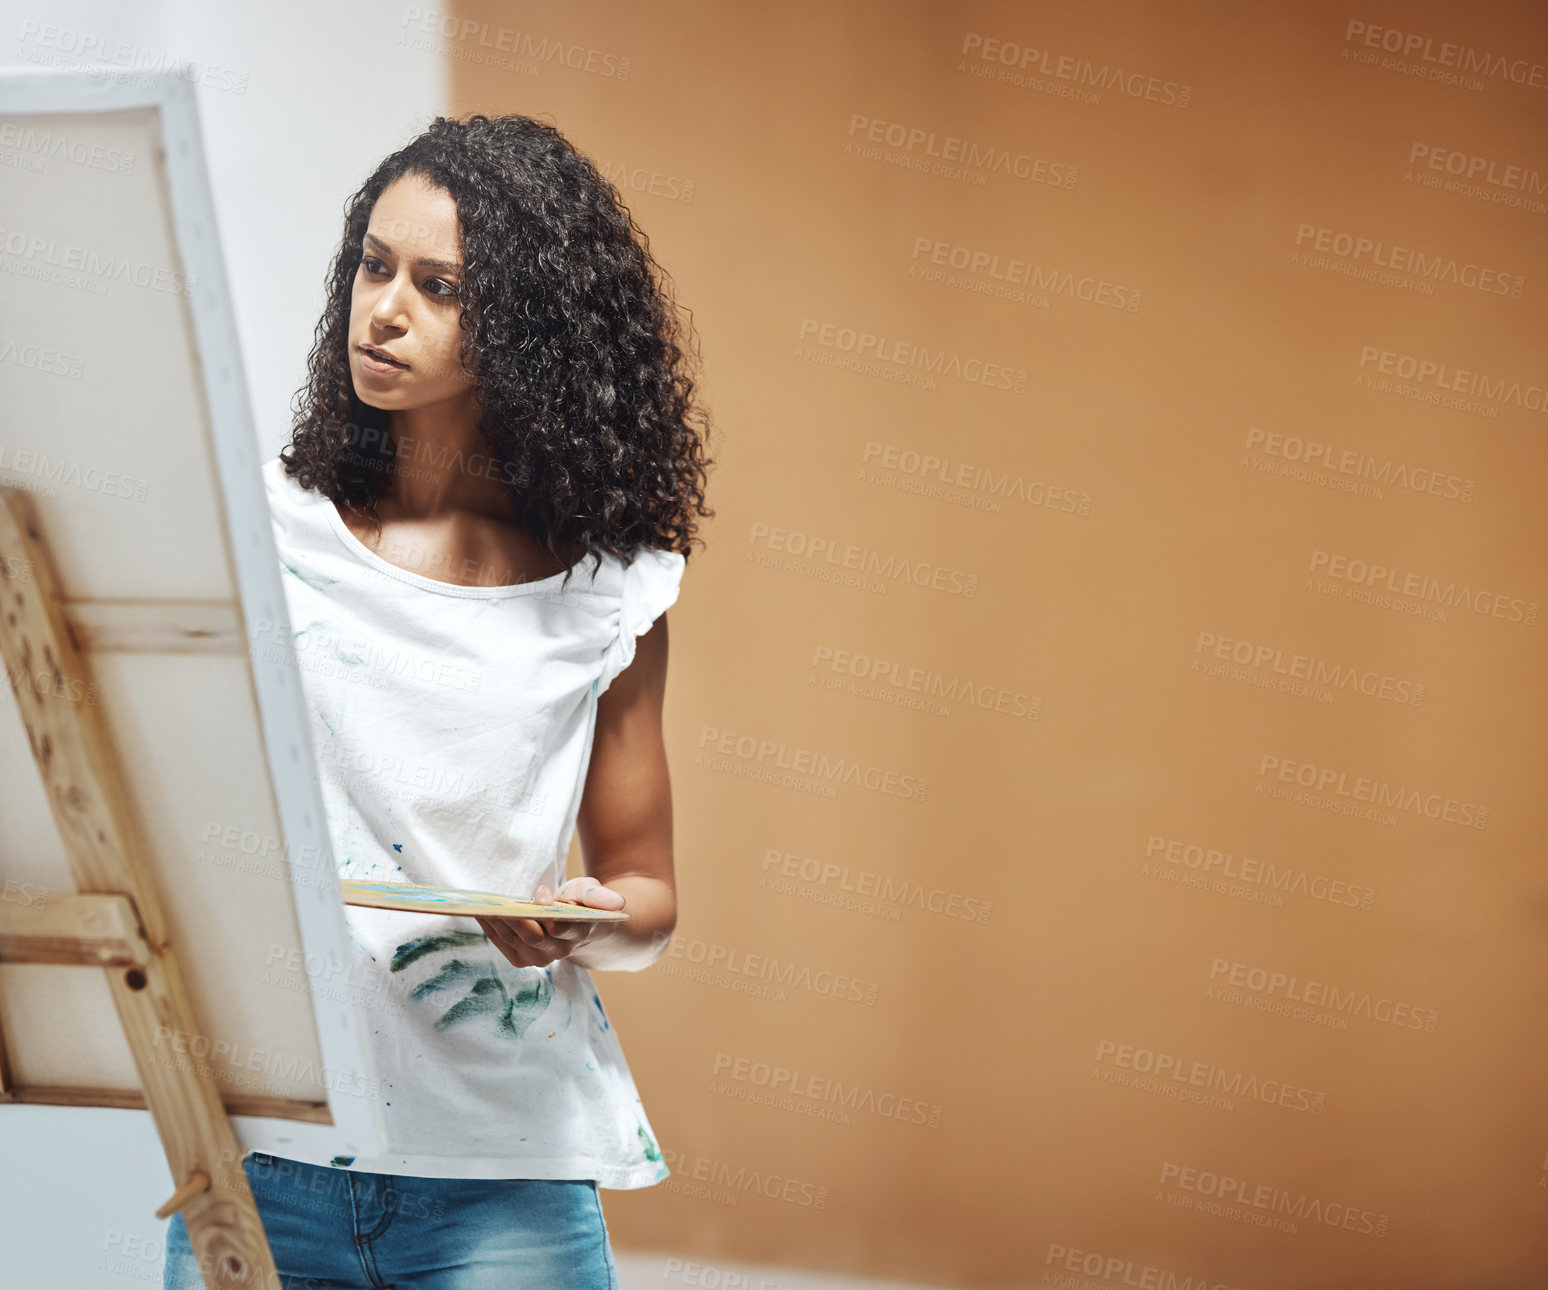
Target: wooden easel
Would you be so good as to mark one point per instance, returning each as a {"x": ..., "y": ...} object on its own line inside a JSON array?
[{"x": 115, "y": 919}]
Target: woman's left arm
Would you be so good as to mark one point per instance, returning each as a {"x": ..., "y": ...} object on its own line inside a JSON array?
[
  {"x": 625, "y": 829},
  {"x": 625, "y": 819}
]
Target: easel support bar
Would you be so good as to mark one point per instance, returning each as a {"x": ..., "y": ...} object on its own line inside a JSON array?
[{"x": 88, "y": 929}]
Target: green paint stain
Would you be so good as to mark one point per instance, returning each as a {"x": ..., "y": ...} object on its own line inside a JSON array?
[
  {"x": 514, "y": 997},
  {"x": 311, "y": 579},
  {"x": 343, "y": 1162},
  {"x": 651, "y": 1152}
]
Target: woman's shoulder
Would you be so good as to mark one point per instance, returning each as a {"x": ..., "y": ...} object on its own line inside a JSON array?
[
  {"x": 644, "y": 567},
  {"x": 645, "y": 589},
  {"x": 648, "y": 575}
]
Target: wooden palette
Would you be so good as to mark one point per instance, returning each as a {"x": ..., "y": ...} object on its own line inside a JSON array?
[{"x": 416, "y": 899}]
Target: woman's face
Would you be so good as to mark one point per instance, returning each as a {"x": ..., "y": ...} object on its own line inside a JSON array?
[{"x": 405, "y": 300}]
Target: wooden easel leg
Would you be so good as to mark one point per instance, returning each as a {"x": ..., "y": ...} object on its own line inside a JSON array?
[{"x": 92, "y": 809}]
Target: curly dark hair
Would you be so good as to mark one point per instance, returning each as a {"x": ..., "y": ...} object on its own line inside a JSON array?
[{"x": 581, "y": 365}]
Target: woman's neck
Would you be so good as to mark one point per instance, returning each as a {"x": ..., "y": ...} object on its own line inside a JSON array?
[{"x": 442, "y": 466}]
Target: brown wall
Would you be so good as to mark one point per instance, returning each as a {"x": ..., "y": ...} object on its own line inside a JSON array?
[{"x": 1182, "y": 844}]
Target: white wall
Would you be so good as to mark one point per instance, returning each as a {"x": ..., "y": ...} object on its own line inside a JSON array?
[{"x": 324, "y": 91}]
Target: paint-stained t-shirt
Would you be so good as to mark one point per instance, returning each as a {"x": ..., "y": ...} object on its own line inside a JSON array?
[{"x": 453, "y": 727}]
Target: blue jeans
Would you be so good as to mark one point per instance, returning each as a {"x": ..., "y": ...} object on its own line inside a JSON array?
[{"x": 337, "y": 1229}]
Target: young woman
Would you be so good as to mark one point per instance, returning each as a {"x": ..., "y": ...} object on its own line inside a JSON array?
[{"x": 494, "y": 478}]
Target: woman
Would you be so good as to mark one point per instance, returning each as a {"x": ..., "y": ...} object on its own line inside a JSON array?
[{"x": 492, "y": 484}]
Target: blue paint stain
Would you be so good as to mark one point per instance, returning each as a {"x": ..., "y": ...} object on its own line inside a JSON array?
[
  {"x": 596, "y": 999},
  {"x": 398, "y": 847}
]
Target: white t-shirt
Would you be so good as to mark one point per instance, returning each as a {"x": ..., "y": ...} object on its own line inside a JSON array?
[{"x": 453, "y": 728}]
